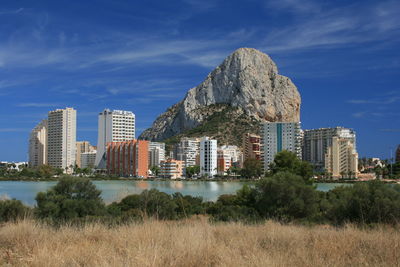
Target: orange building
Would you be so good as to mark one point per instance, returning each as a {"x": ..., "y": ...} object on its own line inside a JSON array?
[
  {"x": 251, "y": 146},
  {"x": 128, "y": 158}
]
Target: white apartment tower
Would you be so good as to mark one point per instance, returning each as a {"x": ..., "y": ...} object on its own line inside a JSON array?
[
  {"x": 61, "y": 139},
  {"x": 156, "y": 153},
  {"x": 38, "y": 145},
  {"x": 208, "y": 157},
  {"x": 114, "y": 126},
  {"x": 279, "y": 136}
]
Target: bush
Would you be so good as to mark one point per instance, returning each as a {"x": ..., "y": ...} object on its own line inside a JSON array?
[
  {"x": 285, "y": 197},
  {"x": 364, "y": 203},
  {"x": 71, "y": 198},
  {"x": 13, "y": 210}
]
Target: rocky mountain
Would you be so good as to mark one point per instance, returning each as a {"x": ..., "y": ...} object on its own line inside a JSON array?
[{"x": 247, "y": 81}]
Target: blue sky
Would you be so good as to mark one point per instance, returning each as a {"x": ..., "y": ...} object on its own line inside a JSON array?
[{"x": 344, "y": 56}]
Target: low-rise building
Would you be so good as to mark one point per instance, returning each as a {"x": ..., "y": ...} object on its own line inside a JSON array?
[
  {"x": 128, "y": 158},
  {"x": 171, "y": 169}
]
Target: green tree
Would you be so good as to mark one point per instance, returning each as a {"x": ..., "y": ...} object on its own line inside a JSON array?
[
  {"x": 286, "y": 161},
  {"x": 45, "y": 171},
  {"x": 252, "y": 168},
  {"x": 192, "y": 170},
  {"x": 155, "y": 170},
  {"x": 285, "y": 196},
  {"x": 71, "y": 198}
]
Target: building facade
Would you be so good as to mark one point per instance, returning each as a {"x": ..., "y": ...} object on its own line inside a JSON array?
[
  {"x": 341, "y": 158},
  {"x": 224, "y": 162},
  {"x": 279, "y": 136},
  {"x": 251, "y": 146},
  {"x": 38, "y": 145},
  {"x": 61, "y": 139},
  {"x": 188, "y": 151},
  {"x": 87, "y": 159},
  {"x": 83, "y": 147},
  {"x": 171, "y": 169},
  {"x": 208, "y": 157},
  {"x": 156, "y": 153},
  {"x": 317, "y": 141},
  {"x": 128, "y": 158},
  {"x": 113, "y": 126}
]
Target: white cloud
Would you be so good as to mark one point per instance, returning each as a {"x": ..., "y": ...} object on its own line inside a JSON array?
[{"x": 37, "y": 105}]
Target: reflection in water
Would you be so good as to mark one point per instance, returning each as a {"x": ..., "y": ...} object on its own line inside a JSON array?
[{"x": 143, "y": 185}]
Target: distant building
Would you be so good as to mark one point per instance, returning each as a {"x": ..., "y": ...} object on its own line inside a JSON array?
[
  {"x": 233, "y": 152},
  {"x": 224, "y": 162},
  {"x": 171, "y": 169},
  {"x": 38, "y": 145},
  {"x": 61, "y": 139},
  {"x": 398, "y": 154},
  {"x": 156, "y": 153},
  {"x": 17, "y": 166},
  {"x": 279, "y": 136},
  {"x": 88, "y": 159},
  {"x": 128, "y": 158},
  {"x": 188, "y": 150},
  {"x": 341, "y": 158},
  {"x": 317, "y": 141},
  {"x": 251, "y": 146},
  {"x": 83, "y": 147},
  {"x": 208, "y": 157},
  {"x": 113, "y": 126}
]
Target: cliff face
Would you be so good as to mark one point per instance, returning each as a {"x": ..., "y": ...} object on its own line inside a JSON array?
[{"x": 248, "y": 79}]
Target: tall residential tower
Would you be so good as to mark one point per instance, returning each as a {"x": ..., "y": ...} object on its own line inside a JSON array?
[
  {"x": 61, "y": 149},
  {"x": 279, "y": 136},
  {"x": 38, "y": 145},
  {"x": 114, "y": 126}
]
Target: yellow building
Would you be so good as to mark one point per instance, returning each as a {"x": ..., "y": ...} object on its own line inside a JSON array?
[
  {"x": 341, "y": 158},
  {"x": 171, "y": 168}
]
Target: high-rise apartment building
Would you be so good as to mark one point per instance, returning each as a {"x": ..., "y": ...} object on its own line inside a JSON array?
[
  {"x": 341, "y": 158},
  {"x": 279, "y": 136},
  {"x": 113, "y": 126},
  {"x": 128, "y": 158},
  {"x": 156, "y": 153},
  {"x": 231, "y": 151},
  {"x": 208, "y": 157},
  {"x": 61, "y": 137},
  {"x": 398, "y": 154},
  {"x": 83, "y": 147},
  {"x": 171, "y": 169},
  {"x": 317, "y": 141},
  {"x": 251, "y": 146},
  {"x": 87, "y": 159},
  {"x": 188, "y": 150},
  {"x": 224, "y": 162},
  {"x": 38, "y": 145}
]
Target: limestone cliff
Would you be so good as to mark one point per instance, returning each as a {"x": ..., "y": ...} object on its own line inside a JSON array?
[{"x": 248, "y": 79}]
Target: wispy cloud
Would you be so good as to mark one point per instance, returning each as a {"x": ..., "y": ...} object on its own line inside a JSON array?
[
  {"x": 335, "y": 27},
  {"x": 37, "y": 105},
  {"x": 11, "y": 11},
  {"x": 379, "y": 101}
]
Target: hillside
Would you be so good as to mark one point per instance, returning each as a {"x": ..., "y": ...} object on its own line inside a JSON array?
[
  {"x": 247, "y": 80},
  {"x": 225, "y": 123}
]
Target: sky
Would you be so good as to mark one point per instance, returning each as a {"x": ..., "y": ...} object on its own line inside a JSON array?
[{"x": 143, "y": 56}]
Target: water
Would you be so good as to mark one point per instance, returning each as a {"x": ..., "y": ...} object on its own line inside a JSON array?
[{"x": 116, "y": 190}]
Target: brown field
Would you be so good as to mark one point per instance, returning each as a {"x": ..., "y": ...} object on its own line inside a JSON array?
[{"x": 197, "y": 243}]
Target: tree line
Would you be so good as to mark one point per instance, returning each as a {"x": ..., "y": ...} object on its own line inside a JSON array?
[{"x": 286, "y": 195}]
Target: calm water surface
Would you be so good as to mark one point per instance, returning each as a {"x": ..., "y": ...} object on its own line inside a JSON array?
[{"x": 116, "y": 190}]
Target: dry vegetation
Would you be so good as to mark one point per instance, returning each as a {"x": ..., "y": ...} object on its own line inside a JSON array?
[{"x": 197, "y": 243}]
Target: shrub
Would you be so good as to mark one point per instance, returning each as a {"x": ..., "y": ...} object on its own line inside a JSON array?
[
  {"x": 13, "y": 210},
  {"x": 71, "y": 198}
]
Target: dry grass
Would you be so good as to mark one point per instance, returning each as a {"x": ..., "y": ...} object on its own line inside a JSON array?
[{"x": 197, "y": 243}]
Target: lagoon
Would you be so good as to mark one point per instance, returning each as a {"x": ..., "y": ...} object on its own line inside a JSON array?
[{"x": 115, "y": 190}]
